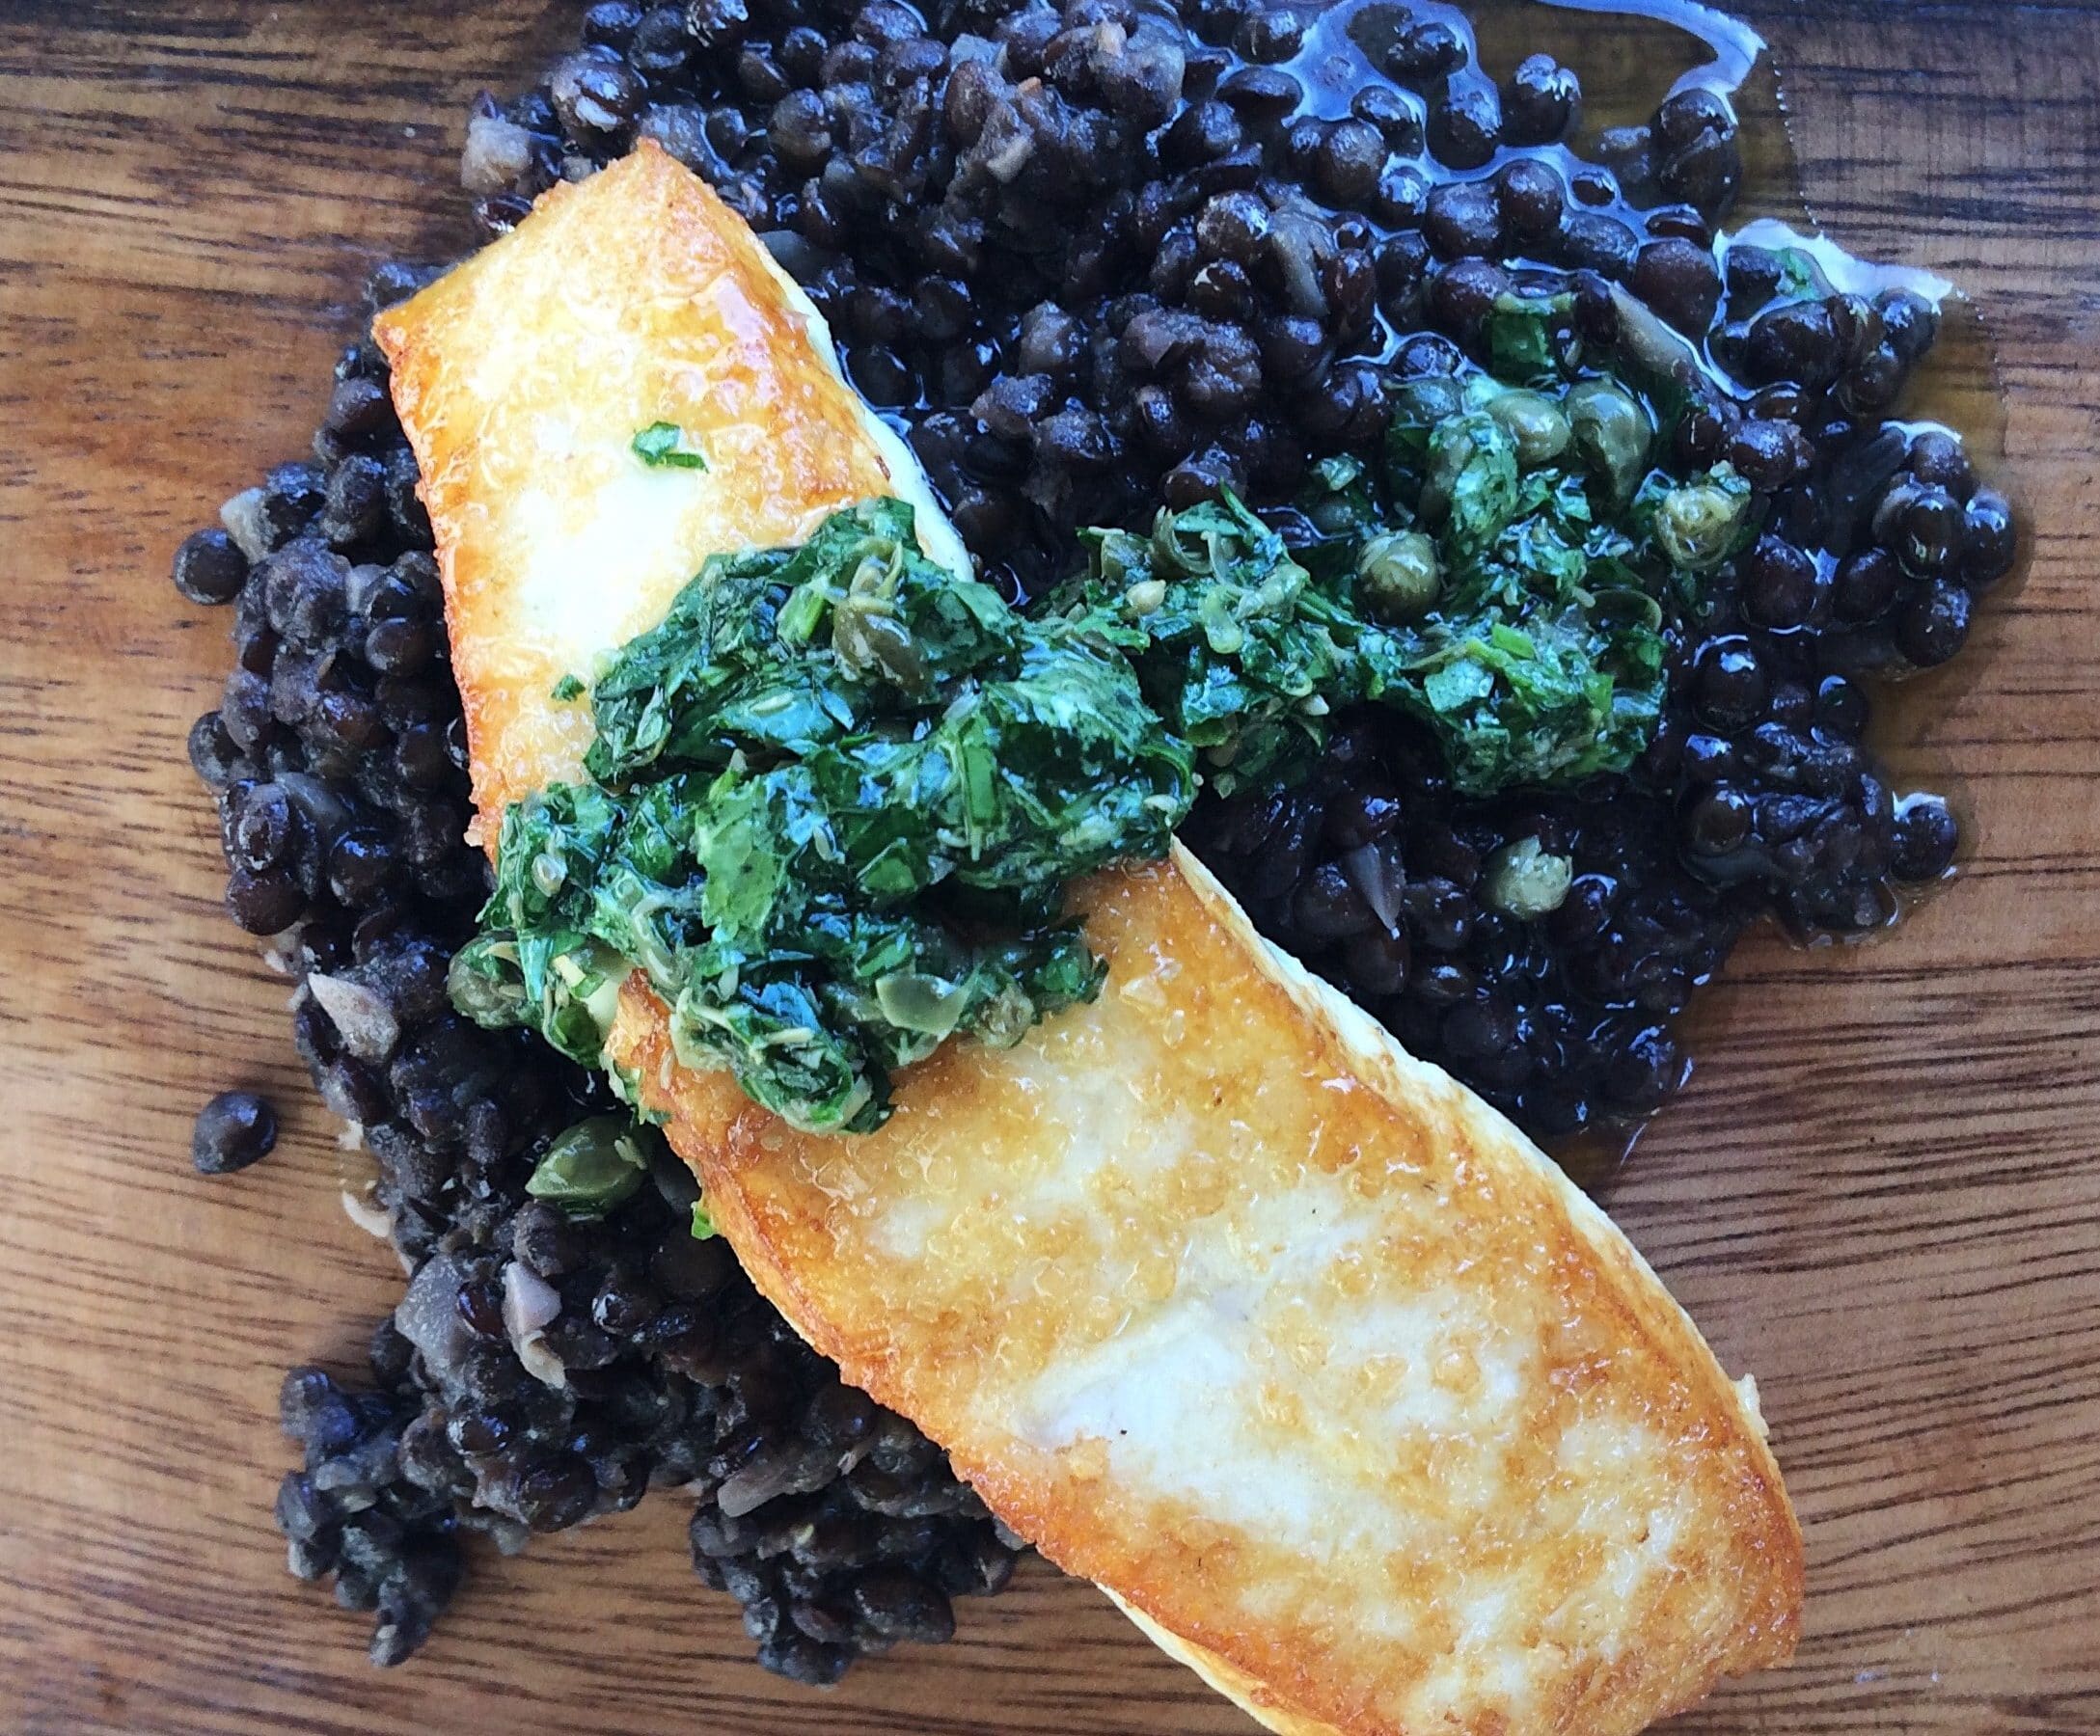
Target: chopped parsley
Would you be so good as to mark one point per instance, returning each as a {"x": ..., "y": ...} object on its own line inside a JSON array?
[
  {"x": 837, "y": 800},
  {"x": 661, "y": 446},
  {"x": 1520, "y": 331},
  {"x": 1486, "y": 593}
]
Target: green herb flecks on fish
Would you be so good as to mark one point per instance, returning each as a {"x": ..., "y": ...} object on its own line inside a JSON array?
[{"x": 661, "y": 446}]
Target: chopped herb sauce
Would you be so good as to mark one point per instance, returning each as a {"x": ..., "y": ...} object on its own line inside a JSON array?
[
  {"x": 836, "y": 800},
  {"x": 1483, "y": 584}
]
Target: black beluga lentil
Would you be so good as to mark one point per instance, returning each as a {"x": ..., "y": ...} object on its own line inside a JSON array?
[
  {"x": 541, "y": 1370},
  {"x": 235, "y": 1130},
  {"x": 1092, "y": 258}
]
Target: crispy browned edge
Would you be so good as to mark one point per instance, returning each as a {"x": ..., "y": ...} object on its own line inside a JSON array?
[
  {"x": 1234, "y": 1683},
  {"x": 1646, "y": 1308},
  {"x": 1291, "y": 1700},
  {"x": 661, "y": 213},
  {"x": 415, "y": 373}
]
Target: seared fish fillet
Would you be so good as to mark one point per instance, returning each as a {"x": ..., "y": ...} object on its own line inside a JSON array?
[
  {"x": 1285, "y": 1339},
  {"x": 523, "y": 378},
  {"x": 1295, "y": 1347}
]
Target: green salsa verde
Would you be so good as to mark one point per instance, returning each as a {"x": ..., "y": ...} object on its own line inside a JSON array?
[{"x": 837, "y": 798}]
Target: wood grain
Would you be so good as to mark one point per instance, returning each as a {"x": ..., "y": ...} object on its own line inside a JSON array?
[{"x": 1881, "y": 1194}]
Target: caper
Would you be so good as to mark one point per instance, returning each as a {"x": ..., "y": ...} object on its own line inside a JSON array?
[
  {"x": 870, "y": 642},
  {"x": 1536, "y": 423},
  {"x": 1146, "y": 596},
  {"x": 1612, "y": 432},
  {"x": 1121, "y": 554},
  {"x": 1424, "y": 402},
  {"x": 593, "y": 1166},
  {"x": 1698, "y": 523},
  {"x": 485, "y": 985},
  {"x": 1334, "y": 499},
  {"x": 1006, "y": 1018},
  {"x": 1527, "y": 880},
  {"x": 1335, "y": 515},
  {"x": 1459, "y": 442},
  {"x": 1418, "y": 406},
  {"x": 1400, "y": 575}
]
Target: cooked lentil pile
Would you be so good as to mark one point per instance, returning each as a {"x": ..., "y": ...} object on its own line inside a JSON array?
[{"x": 1095, "y": 258}]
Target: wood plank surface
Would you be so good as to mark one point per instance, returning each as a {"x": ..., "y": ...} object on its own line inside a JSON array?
[{"x": 1882, "y": 1193}]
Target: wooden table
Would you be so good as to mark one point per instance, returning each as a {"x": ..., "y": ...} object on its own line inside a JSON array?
[{"x": 1882, "y": 1194}]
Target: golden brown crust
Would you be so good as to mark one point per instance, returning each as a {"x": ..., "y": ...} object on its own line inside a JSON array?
[
  {"x": 522, "y": 378},
  {"x": 1471, "y": 1468},
  {"x": 1236, "y": 1684}
]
